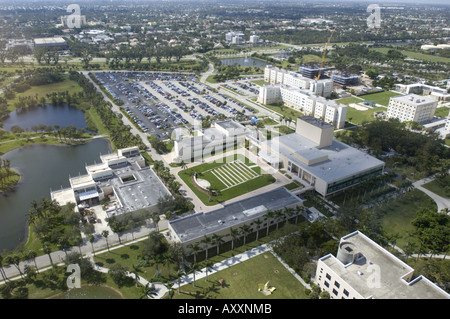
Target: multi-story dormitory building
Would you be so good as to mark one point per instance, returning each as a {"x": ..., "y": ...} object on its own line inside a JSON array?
[
  {"x": 412, "y": 107},
  {"x": 304, "y": 102},
  {"x": 321, "y": 87}
]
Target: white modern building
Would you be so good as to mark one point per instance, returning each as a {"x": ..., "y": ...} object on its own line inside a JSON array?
[
  {"x": 235, "y": 37},
  {"x": 313, "y": 155},
  {"x": 433, "y": 92},
  {"x": 274, "y": 75},
  {"x": 123, "y": 176},
  {"x": 304, "y": 101},
  {"x": 411, "y": 107},
  {"x": 220, "y": 136},
  {"x": 254, "y": 39},
  {"x": 362, "y": 269}
]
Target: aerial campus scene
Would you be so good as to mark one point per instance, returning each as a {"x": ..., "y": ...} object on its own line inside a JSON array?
[{"x": 224, "y": 150}]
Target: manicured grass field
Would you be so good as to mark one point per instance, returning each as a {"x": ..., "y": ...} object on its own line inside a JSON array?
[
  {"x": 380, "y": 97},
  {"x": 241, "y": 282},
  {"x": 358, "y": 117},
  {"x": 437, "y": 189},
  {"x": 442, "y": 111},
  {"x": 43, "y": 90},
  {"x": 417, "y": 55},
  {"x": 399, "y": 212},
  {"x": 349, "y": 100}
]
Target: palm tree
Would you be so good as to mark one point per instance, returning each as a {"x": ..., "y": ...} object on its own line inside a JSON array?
[
  {"x": 278, "y": 215},
  {"x": 194, "y": 268},
  {"x": 2, "y": 271},
  {"x": 195, "y": 248},
  {"x": 208, "y": 266},
  {"x": 245, "y": 229},
  {"x": 14, "y": 260},
  {"x": 91, "y": 240},
  {"x": 218, "y": 240},
  {"x": 298, "y": 210},
  {"x": 156, "y": 219},
  {"x": 234, "y": 236},
  {"x": 269, "y": 215},
  {"x": 33, "y": 255},
  {"x": 135, "y": 272},
  {"x": 105, "y": 234},
  {"x": 169, "y": 286},
  {"x": 206, "y": 240},
  {"x": 148, "y": 291},
  {"x": 180, "y": 273},
  {"x": 258, "y": 223},
  {"x": 47, "y": 249}
]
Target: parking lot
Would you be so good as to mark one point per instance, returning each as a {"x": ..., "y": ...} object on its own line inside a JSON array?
[{"x": 161, "y": 102}]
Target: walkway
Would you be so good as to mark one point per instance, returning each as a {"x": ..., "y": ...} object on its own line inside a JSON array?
[{"x": 441, "y": 202}]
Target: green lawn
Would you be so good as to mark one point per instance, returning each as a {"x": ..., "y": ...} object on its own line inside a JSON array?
[
  {"x": 442, "y": 111},
  {"x": 398, "y": 213},
  {"x": 417, "y": 55},
  {"x": 43, "y": 90},
  {"x": 241, "y": 282},
  {"x": 349, "y": 100},
  {"x": 380, "y": 97},
  {"x": 438, "y": 189},
  {"x": 204, "y": 172},
  {"x": 358, "y": 117}
]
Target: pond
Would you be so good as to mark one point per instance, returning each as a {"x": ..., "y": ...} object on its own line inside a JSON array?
[
  {"x": 49, "y": 114},
  {"x": 244, "y": 62},
  {"x": 42, "y": 167},
  {"x": 90, "y": 292}
]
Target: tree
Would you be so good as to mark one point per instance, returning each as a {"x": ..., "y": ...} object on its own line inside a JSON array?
[
  {"x": 218, "y": 240},
  {"x": 269, "y": 215},
  {"x": 147, "y": 291},
  {"x": 118, "y": 273},
  {"x": 2, "y": 271},
  {"x": 206, "y": 241},
  {"x": 194, "y": 268},
  {"x": 32, "y": 255},
  {"x": 234, "y": 236},
  {"x": 195, "y": 248},
  {"x": 245, "y": 229},
  {"x": 105, "y": 234}
]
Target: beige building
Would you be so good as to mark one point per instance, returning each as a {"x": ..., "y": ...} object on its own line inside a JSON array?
[
  {"x": 363, "y": 269},
  {"x": 411, "y": 107},
  {"x": 322, "y": 87}
]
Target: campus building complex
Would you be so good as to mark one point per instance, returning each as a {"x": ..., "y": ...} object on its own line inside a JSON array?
[
  {"x": 313, "y": 155},
  {"x": 362, "y": 269},
  {"x": 321, "y": 87},
  {"x": 122, "y": 176},
  {"x": 220, "y": 136},
  {"x": 411, "y": 107},
  {"x": 193, "y": 228},
  {"x": 433, "y": 92},
  {"x": 304, "y": 101}
]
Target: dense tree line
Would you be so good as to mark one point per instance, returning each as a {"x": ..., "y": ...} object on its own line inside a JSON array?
[
  {"x": 119, "y": 133},
  {"x": 425, "y": 152}
]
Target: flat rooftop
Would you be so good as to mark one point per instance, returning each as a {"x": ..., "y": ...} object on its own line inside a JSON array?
[
  {"x": 343, "y": 160},
  {"x": 414, "y": 99},
  {"x": 136, "y": 188},
  {"x": 392, "y": 269},
  {"x": 201, "y": 224},
  {"x": 315, "y": 121}
]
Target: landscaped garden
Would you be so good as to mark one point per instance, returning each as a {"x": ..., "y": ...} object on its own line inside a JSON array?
[{"x": 227, "y": 178}]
